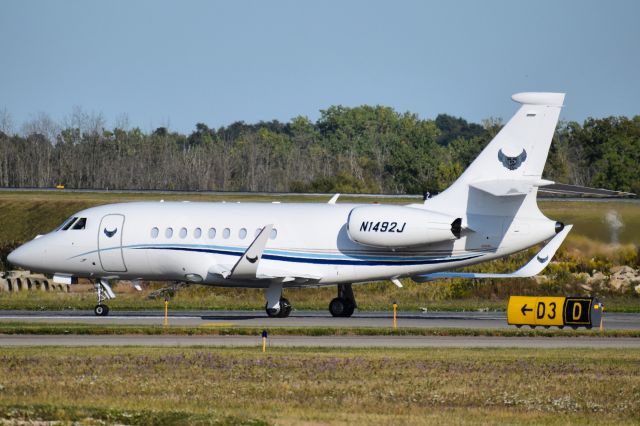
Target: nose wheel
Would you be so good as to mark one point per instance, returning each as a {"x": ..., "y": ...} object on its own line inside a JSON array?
[
  {"x": 101, "y": 310},
  {"x": 104, "y": 292}
]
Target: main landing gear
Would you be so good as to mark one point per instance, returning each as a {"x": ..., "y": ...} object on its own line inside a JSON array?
[
  {"x": 103, "y": 289},
  {"x": 345, "y": 303},
  {"x": 277, "y": 306}
]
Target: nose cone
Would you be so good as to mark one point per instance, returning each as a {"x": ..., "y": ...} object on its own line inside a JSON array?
[
  {"x": 26, "y": 256},
  {"x": 17, "y": 257}
]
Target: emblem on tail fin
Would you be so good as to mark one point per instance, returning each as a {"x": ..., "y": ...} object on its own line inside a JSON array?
[{"x": 512, "y": 163}]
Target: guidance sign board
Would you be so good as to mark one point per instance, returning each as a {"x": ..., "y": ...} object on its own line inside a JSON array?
[{"x": 554, "y": 311}]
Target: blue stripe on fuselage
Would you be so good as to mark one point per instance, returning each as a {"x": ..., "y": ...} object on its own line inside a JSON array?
[{"x": 323, "y": 261}]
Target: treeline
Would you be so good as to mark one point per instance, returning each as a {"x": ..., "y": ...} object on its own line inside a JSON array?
[{"x": 362, "y": 149}]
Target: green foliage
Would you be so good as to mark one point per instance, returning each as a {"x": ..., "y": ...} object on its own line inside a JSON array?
[{"x": 359, "y": 149}]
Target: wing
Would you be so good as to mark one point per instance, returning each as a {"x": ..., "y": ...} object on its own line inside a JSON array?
[
  {"x": 533, "y": 267},
  {"x": 249, "y": 266}
]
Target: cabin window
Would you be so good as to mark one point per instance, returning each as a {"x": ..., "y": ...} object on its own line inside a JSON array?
[
  {"x": 168, "y": 232},
  {"x": 242, "y": 233},
  {"x": 226, "y": 233},
  {"x": 68, "y": 224},
  {"x": 80, "y": 223},
  {"x": 274, "y": 234},
  {"x": 197, "y": 233},
  {"x": 212, "y": 233},
  {"x": 154, "y": 232},
  {"x": 257, "y": 231},
  {"x": 183, "y": 232}
]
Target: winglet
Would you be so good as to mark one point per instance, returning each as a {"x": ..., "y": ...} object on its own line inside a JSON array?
[
  {"x": 533, "y": 267},
  {"x": 333, "y": 199},
  {"x": 247, "y": 265}
]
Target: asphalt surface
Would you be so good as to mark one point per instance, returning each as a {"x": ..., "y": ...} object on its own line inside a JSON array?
[
  {"x": 322, "y": 342},
  {"x": 617, "y": 321}
]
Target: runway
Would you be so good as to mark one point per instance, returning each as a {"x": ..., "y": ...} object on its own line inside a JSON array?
[
  {"x": 481, "y": 320},
  {"x": 322, "y": 342}
]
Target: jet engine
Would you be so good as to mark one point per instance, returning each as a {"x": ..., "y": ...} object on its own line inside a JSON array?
[{"x": 398, "y": 226}]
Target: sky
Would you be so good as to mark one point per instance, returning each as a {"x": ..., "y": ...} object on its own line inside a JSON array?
[{"x": 177, "y": 63}]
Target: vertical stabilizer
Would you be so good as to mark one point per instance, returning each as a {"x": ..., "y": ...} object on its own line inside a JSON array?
[{"x": 512, "y": 163}]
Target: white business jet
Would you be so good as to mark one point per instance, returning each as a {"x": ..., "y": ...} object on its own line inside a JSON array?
[{"x": 488, "y": 213}]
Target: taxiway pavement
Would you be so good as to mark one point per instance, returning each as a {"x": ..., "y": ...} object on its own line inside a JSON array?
[{"x": 612, "y": 321}]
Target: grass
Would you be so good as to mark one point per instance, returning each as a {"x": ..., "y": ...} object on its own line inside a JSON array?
[
  {"x": 320, "y": 386},
  {"x": 24, "y": 328},
  {"x": 370, "y": 297}
]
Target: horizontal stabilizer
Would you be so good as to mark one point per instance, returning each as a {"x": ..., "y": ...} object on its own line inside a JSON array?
[
  {"x": 507, "y": 187},
  {"x": 583, "y": 191},
  {"x": 534, "y": 267}
]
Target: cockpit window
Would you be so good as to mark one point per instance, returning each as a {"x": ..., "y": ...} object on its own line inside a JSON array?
[
  {"x": 68, "y": 224},
  {"x": 63, "y": 224},
  {"x": 80, "y": 223}
]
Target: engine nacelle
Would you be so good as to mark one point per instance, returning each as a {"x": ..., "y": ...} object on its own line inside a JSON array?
[{"x": 398, "y": 226}]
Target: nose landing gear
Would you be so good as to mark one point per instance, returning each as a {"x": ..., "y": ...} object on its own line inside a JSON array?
[{"x": 104, "y": 292}]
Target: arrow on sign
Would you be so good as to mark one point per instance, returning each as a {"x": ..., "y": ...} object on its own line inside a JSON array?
[{"x": 524, "y": 310}]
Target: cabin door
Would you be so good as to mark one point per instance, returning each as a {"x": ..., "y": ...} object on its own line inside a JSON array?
[{"x": 110, "y": 243}]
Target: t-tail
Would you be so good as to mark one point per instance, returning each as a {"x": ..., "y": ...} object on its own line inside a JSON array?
[
  {"x": 496, "y": 194},
  {"x": 512, "y": 164}
]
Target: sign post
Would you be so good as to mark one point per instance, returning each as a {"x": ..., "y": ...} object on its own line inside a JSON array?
[
  {"x": 395, "y": 311},
  {"x": 166, "y": 312},
  {"x": 264, "y": 340}
]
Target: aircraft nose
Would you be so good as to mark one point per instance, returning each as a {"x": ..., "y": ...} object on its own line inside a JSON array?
[{"x": 22, "y": 256}]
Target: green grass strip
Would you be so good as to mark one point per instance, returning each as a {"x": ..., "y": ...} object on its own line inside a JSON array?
[
  {"x": 57, "y": 413},
  {"x": 116, "y": 329}
]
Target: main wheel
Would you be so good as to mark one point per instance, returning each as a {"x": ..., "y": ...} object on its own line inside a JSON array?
[
  {"x": 101, "y": 310},
  {"x": 282, "y": 311},
  {"x": 340, "y": 307},
  {"x": 285, "y": 308},
  {"x": 272, "y": 313}
]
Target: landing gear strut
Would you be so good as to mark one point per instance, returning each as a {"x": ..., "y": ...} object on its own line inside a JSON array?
[
  {"x": 277, "y": 306},
  {"x": 103, "y": 289},
  {"x": 345, "y": 303}
]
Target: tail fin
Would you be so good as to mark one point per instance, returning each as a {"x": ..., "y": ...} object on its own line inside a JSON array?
[{"x": 513, "y": 162}]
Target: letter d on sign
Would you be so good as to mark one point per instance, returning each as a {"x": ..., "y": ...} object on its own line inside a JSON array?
[{"x": 577, "y": 311}]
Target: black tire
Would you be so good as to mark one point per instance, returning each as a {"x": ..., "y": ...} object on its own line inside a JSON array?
[
  {"x": 101, "y": 310},
  {"x": 350, "y": 308},
  {"x": 340, "y": 307},
  {"x": 271, "y": 313},
  {"x": 285, "y": 308}
]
